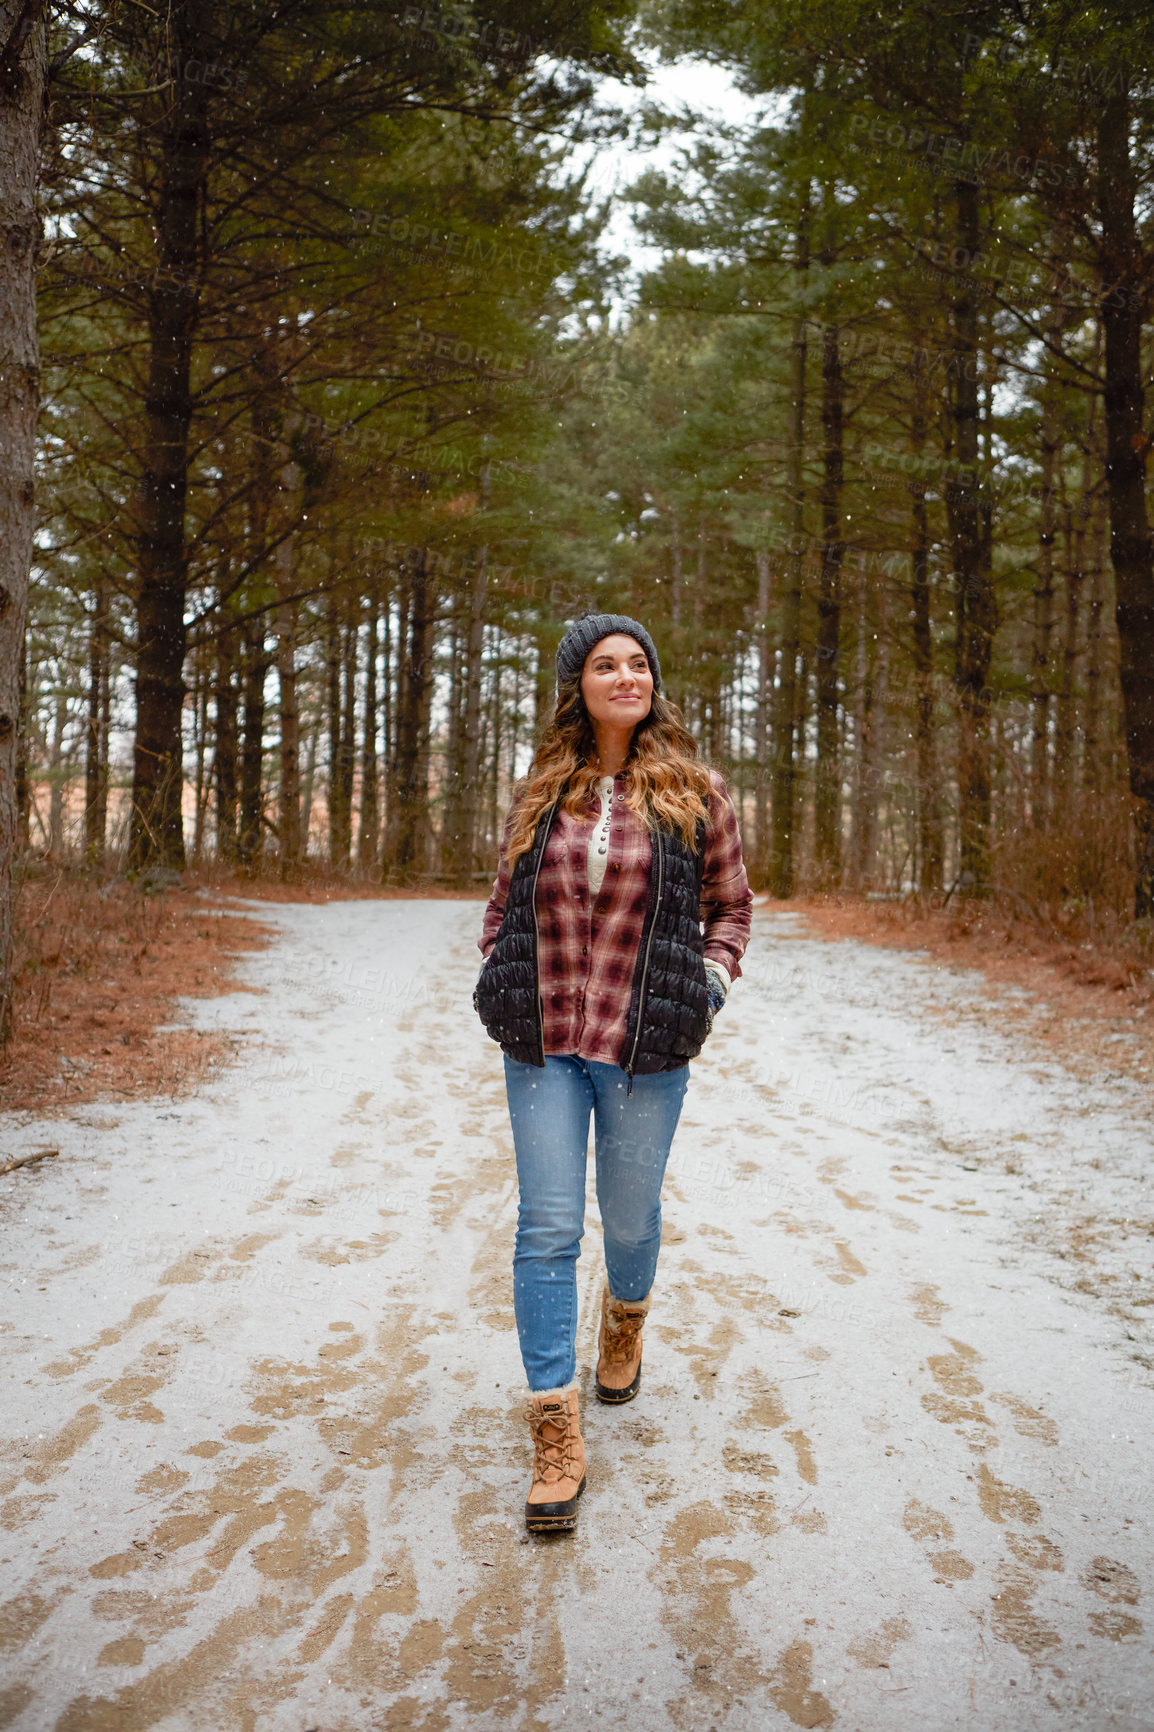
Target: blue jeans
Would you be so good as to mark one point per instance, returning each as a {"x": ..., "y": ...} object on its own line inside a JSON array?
[{"x": 549, "y": 1110}]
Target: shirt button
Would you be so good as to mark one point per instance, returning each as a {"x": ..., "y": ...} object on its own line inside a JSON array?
[{"x": 584, "y": 950}]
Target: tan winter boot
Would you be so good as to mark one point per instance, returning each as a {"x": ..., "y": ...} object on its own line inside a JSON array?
[
  {"x": 558, "y": 1460},
  {"x": 619, "y": 1358}
]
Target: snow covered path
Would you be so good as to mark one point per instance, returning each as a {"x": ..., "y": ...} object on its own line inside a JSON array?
[{"x": 260, "y": 1461}]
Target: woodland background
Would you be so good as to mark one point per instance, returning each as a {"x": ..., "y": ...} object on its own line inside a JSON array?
[{"x": 345, "y": 408}]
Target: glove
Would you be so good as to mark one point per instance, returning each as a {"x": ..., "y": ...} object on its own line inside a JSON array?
[{"x": 715, "y": 987}]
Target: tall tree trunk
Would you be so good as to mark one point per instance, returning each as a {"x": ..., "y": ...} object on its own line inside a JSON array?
[
  {"x": 289, "y": 803},
  {"x": 827, "y": 785},
  {"x": 369, "y": 836},
  {"x": 339, "y": 815},
  {"x": 762, "y": 731},
  {"x": 157, "y": 831},
  {"x": 781, "y": 877},
  {"x": 1124, "y": 287},
  {"x": 493, "y": 775},
  {"x": 398, "y": 708},
  {"x": 289, "y": 817},
  {"x": 463, "y": 854},
  {"x": 1044, "y": 584},
  {"x": 387, "y": 709},
  {"x": 225, "y": 755},
  {"x": 471, "y": 810},
  {"x": 23, "y": 784},
  {"x": 310, "y": 781},
  {"x": 56, "y": 779},
  {"x": 96, "y": 732},
  {"x": 348, "y": 751},
  {"x": 930, "y": 849},
  {"x": 256, "y": 663},
  {"x": 200, "y": 725},
  {"x": 801, "y": 757},
  {"x": 974, "y": 598},
  {"x": 454, "y": 770},
  {"x": 1092, "y": 753},
  {"x": 546, "y": 638},
  {"x": 1078, "y": 537},
  {"x": 872, "y": 669},
  {"x": 22, "y": 64},
  {"x": 412, "y": 722}
]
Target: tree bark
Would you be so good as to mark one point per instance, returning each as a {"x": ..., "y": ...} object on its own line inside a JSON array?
[
  {"x": 369, "y": 836},
  {"x": 200, "y": 714},
  {"x": 781, "y": 877},
  {"x": 412, "y": 721},
  {"x": 872, "y": 682},
  {"x": 347, "y": 762},
  {"x": 1044, "y": 585},
  {"x": 156, "y": 829},
  {"x": 462, "y": 853},
  {"x": 56, "y": 779},
  {"x": 96, "y": 732},
  {"x": 930, "y": 841},
  {"x": 21, "y": 113},
  {"x": 289, "y": 814},
  {"x": 1092, "y": 754},
  {"x": 762, "y": 731},
  {"x": 1131, "y": 554},
  {"x": 397, "y": 708},
  {"x": 309, "y": 781},
  {"x": 974, "y": 599},
  {"x": 471, "y": 806},
  {"x": 338, "y": 812},
  {"x": 1079, "y": 530},
  {"x": 827, "y": 786},
  {"x": 454, "y": 768},
  {"x": 225, "y": 757},
  {"x": 256, "y": 664}
]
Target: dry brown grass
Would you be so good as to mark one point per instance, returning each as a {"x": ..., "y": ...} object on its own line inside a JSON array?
[{"x": 97, "y": 966}]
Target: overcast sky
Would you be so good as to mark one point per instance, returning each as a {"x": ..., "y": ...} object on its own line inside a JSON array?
[{"x": 708, "y": 95}]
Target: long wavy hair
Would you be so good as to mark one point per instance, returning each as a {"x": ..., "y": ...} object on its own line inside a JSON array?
[{"x": 668, "y": 783}]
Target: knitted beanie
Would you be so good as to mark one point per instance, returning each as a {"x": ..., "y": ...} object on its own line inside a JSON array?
[{"x": 585, "y": 634}]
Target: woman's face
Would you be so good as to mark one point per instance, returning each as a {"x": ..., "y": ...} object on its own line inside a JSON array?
[{"x": 616, "y": 682}]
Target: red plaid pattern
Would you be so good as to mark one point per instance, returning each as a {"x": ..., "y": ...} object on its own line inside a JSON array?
[{"x": 587, "y": 953}]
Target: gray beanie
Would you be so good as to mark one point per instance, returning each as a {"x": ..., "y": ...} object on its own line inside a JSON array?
[{"x": 585, "y": 634}]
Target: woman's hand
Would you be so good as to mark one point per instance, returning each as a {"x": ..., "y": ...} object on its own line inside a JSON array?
[{"x": 715, "y": 987}]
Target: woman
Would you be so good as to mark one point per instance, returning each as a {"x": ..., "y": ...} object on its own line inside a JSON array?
[{"x": 600, "y": 987}]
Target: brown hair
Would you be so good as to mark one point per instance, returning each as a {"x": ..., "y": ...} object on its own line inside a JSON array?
[{"x": 668, "y": 783}]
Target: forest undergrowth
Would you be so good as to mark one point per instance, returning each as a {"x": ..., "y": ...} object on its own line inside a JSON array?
[
  {"x": 101, "y": 960},
  {"x": 1081, "y": 979}
]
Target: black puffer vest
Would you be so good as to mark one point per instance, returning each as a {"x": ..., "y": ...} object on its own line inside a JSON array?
[{"x": 669, "y": 1003}]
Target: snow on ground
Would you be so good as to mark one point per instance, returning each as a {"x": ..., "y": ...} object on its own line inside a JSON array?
[{"x": 262, "y": 1462}]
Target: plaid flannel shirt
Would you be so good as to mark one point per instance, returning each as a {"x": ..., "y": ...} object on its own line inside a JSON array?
[{"x": 587, "y": 949}]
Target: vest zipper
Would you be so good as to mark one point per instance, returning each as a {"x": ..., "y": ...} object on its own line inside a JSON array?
[
  {"x": 645, "y": 959},
  {"x": 537, "y": 930}
]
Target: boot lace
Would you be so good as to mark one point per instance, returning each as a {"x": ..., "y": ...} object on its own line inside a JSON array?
[
  {"x": 619, "y": 1337},
  {"x": 554, "y": 1457}
]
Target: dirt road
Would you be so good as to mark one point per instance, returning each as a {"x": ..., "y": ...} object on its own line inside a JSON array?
[{"x": 262, "y": 1465}]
